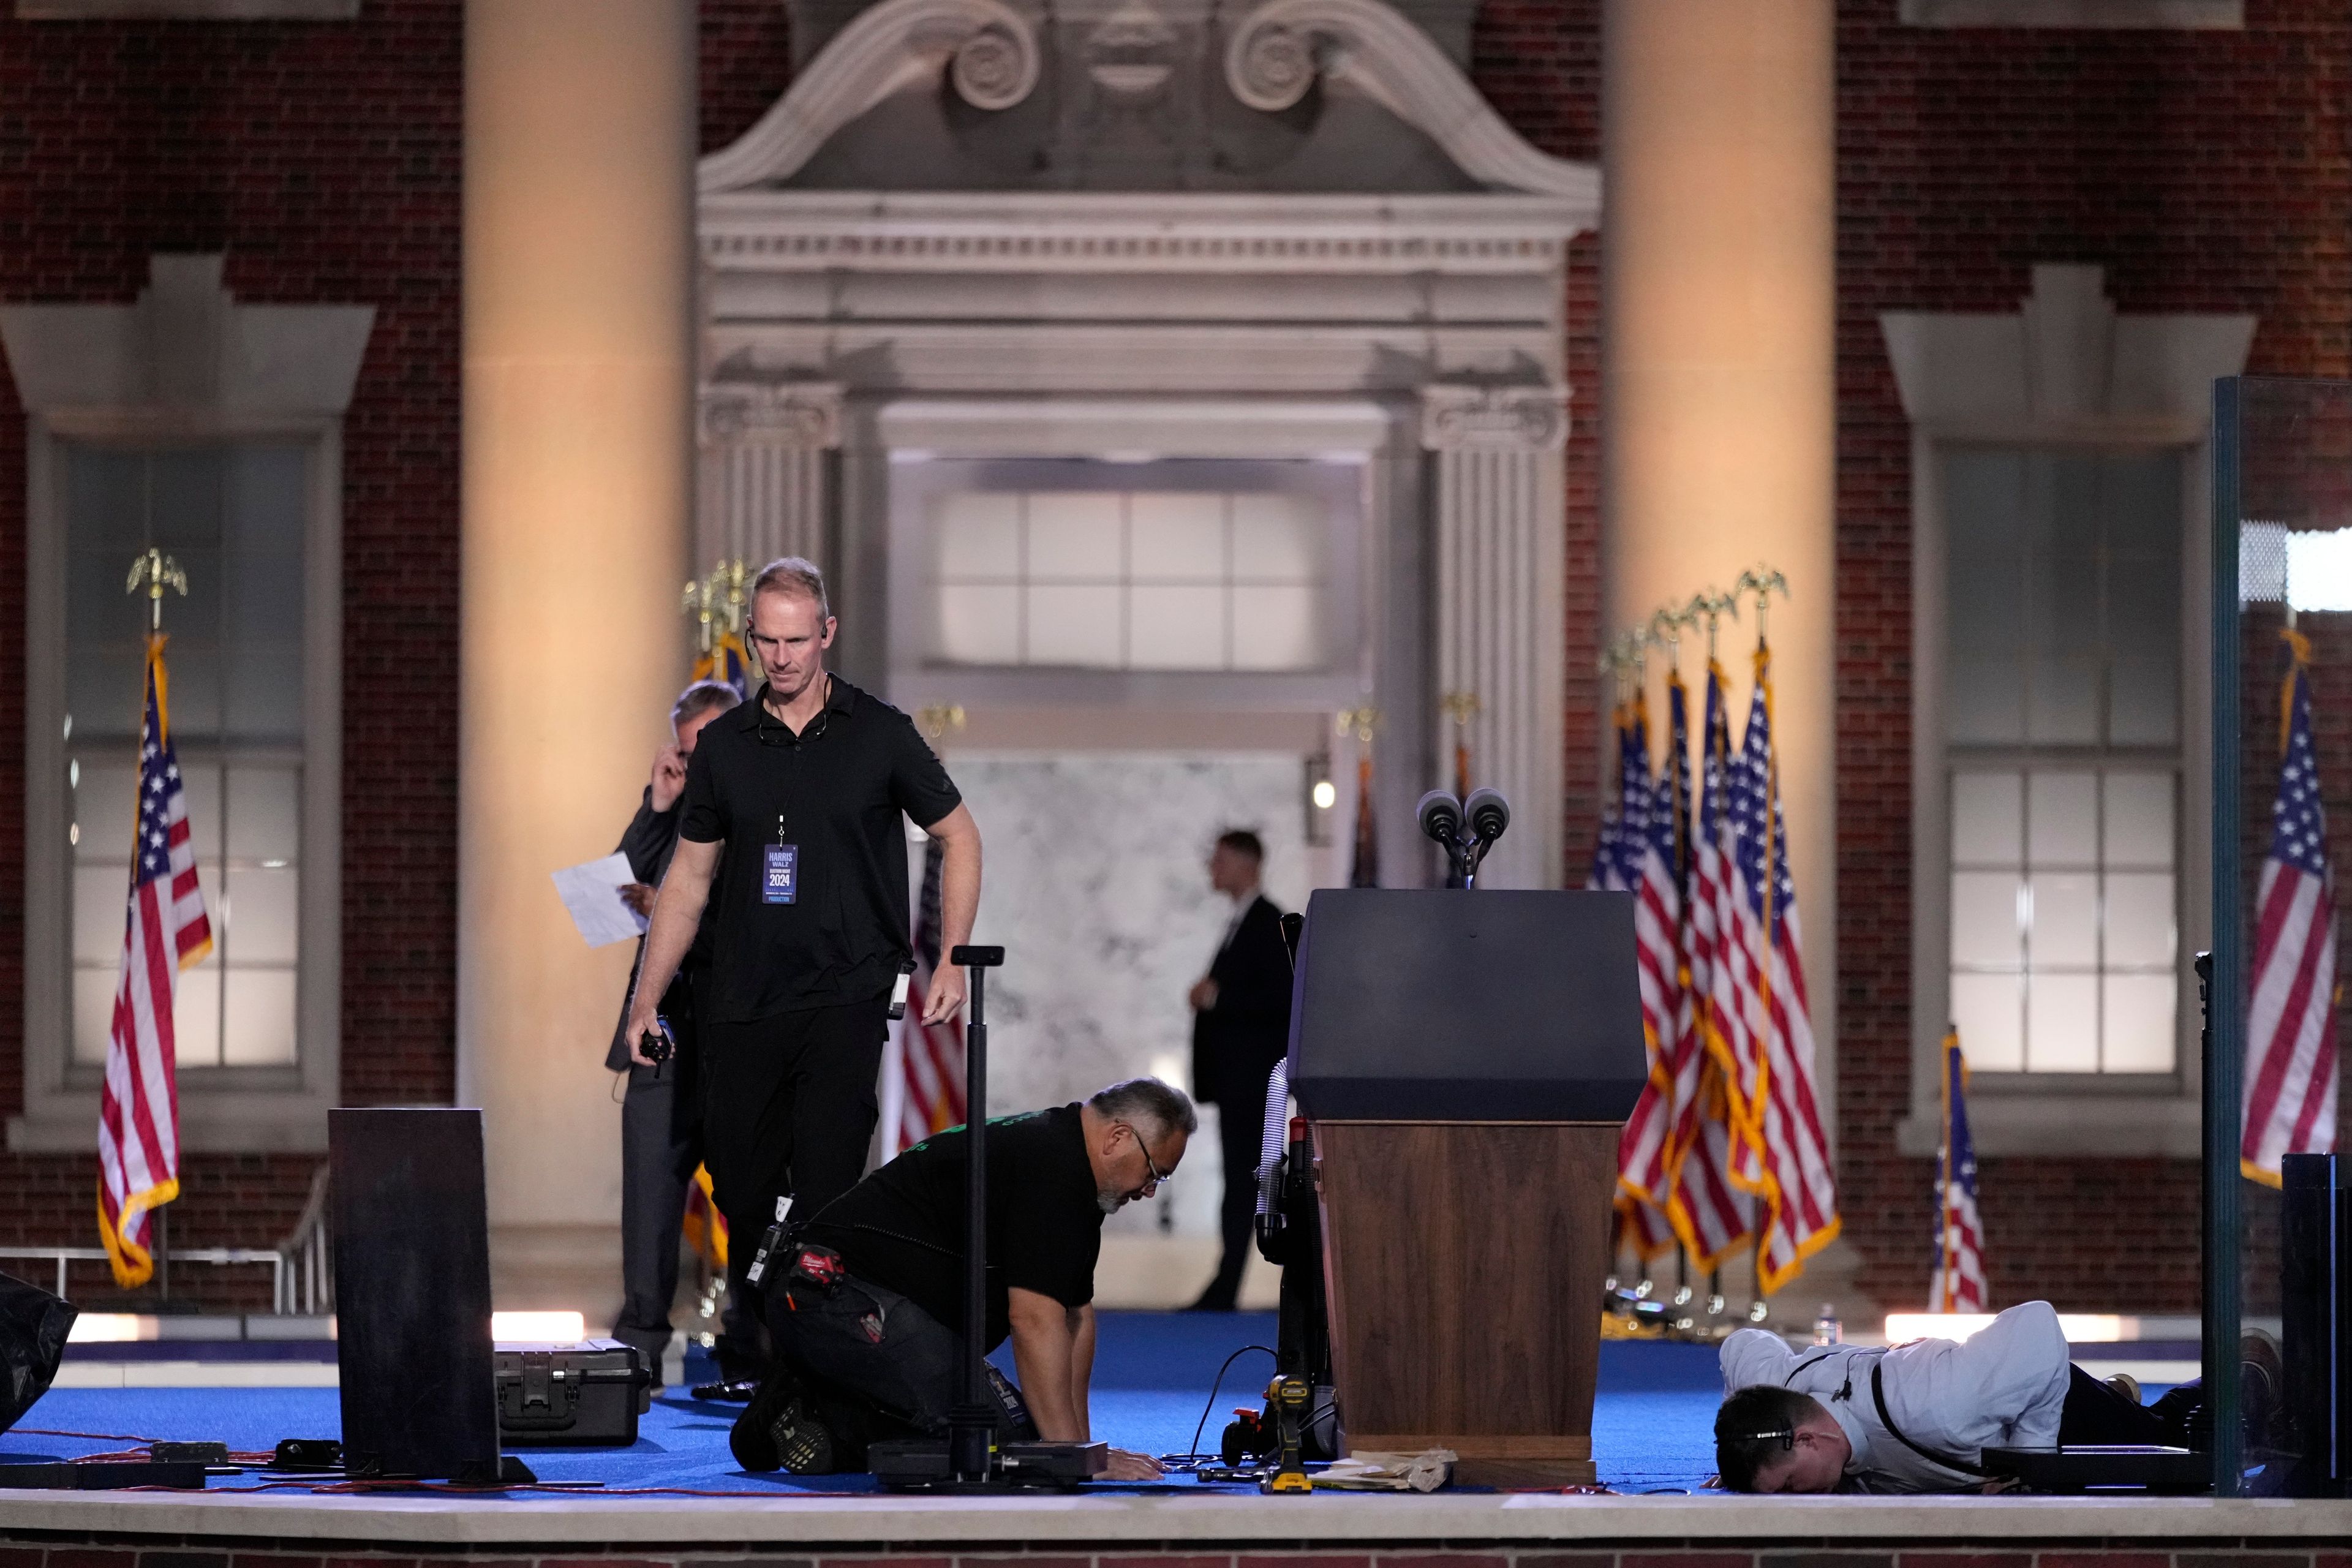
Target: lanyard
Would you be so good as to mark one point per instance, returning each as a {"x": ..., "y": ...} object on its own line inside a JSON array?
[{"x": 816, "y": 727}]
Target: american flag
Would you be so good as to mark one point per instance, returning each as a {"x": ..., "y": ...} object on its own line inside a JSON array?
[
  {"x": 165, "y": 931},
  {"x": 1607, "y": 875},
  {"x": 1958, "y": 1284},
  {"x": 1710, "y": 1212},
  {"x": 1645, "y": 1165},
  {"x": 931, "y": 1056},
  {"x": 726, "y": 662},
  {"x": 1629, "y": 849},
  {"x": 2291, "y": 1021},
  {"x": 1787, "y": 1164}
]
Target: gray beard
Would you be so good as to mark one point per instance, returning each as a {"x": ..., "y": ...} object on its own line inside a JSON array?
[{"x": 1110, "y": 1202}]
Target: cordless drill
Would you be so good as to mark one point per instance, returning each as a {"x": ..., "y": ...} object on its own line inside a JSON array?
[{"x": 1289, "y": 1400}]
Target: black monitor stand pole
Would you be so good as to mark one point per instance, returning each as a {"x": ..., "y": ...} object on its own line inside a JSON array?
[
  {"x": 971, "y": 1424},
  {"x": 971, "y": 1459}
]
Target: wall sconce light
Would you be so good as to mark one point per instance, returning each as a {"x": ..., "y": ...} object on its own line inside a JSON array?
[{"x": 1322, "y": 794}]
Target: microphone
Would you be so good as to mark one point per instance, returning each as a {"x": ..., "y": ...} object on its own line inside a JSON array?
[
  {"x": 1440, "y": 817},
  {"x": 1489, "y": 814}
]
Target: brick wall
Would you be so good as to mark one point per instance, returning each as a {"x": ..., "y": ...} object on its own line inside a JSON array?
[
  {"x": 324, "y": 160},
  {"x": 2206, "y": 172},
  {"x": 747, "y": 62}
]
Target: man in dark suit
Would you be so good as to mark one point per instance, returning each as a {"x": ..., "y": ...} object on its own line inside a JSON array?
[
  {"x": 1241, "y": 1027},
  {"x": 661, "y": 1114}
]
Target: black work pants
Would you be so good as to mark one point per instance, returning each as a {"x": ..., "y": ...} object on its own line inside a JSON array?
[
  {"x": 2095, "y": 1414},
  {"x": 1241, "y": 1138},
  {"x": 873, "y": 1364},
  {"x": 789, "y": 1107},
  {"x": 661, "y": 1143}
]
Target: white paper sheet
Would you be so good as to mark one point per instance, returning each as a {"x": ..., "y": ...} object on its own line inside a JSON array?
[{"x": 592, "y": 892}]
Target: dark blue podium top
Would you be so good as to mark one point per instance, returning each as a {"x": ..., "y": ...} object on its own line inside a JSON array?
[{"x": 1446, "y": 1006}]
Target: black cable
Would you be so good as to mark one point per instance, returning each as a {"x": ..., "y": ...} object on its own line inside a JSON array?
[{"x": 1203, "y": 1425}]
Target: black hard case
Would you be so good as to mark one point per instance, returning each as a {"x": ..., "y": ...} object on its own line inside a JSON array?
[{"x": 584, "y": 1395}]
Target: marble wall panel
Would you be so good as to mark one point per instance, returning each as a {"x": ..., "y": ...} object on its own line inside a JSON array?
[{"x": 1096, "y": 885}]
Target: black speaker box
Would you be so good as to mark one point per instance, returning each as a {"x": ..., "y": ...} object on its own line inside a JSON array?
[{"x": 413, "y": 1293}]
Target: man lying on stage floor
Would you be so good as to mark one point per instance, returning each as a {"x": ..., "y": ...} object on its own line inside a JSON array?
[
  {"x": 870, "y": 1312},
  {"x": 1916, "y": 1418}
]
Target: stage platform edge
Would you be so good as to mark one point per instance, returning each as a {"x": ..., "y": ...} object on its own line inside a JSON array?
[{"x": 1328, "y": 1530}]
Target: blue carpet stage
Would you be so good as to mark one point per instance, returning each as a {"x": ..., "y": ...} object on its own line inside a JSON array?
[{"x": 1152, "y": 1377}]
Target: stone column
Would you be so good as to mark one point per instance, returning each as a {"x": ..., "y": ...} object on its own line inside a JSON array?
[
  {"x": 1500, "y": 559},
  {"x": 577, "y": 495},
  {"x": 1718, "y": 303},
  {"x": 764, "y": 460}
]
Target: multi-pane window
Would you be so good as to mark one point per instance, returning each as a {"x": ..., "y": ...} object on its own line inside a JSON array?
[
  {"x": 1162, "y": 580},
  {"x": 2063, "y": 736},
  {"x": 2062, "y": 919},
  {"x": 233, "y": 518}
]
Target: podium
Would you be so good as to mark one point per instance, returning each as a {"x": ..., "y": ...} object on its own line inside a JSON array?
[{"x": 1468, "y": 1060}]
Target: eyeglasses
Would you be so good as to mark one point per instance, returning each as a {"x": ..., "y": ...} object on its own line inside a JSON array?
[{"x": 1158, "y": 1179}]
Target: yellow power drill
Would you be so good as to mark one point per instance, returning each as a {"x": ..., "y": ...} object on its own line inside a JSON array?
[{"x": 1289, "y": 1399}]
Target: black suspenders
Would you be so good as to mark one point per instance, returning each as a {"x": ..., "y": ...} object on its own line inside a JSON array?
[{"x": 1887, "y": 1417}]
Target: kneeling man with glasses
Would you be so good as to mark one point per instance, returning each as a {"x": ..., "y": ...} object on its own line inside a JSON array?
[{"x": 864, "y": 1302}]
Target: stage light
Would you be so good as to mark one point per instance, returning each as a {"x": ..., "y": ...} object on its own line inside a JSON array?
[
  {"x": 1322, "y": 794},
  {"x": 538, "y": 1328},
  {"x": 109, "y": 1328},
  {"x": 2080, "y": 1328},
  {"x": 2319, "y": 570},
  {"x": 2306, "y": 569}
]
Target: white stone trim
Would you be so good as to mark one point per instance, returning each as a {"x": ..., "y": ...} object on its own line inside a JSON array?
[
  {"x": 761, "y": 488},
  {"x": 805, "y": 415},
  {"x": 986, "y": 49},
  {"x": 185, "y": 345},
  {"x": 1494, "y": 419},
  {"x": 991, "y": 57},
  {"x": 2065, "y": 368},
  {"x": 2064, "y": 362},
  {"x": 1278, "y": 51},
  {"x": 185, "y": 363},
  {"x": 1023, "y": 232},
  {"x": 1131, "y": 427},
  {"x": 2187, "y": 15}
]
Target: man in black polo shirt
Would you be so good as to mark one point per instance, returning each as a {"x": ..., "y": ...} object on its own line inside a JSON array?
[
  {"x": 804, "y": 787},
  {"x": 870, "y": 1310}
]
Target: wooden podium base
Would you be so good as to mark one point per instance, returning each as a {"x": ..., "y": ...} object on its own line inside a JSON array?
[
  {"x": 1465, "y": 1261},
  {"x": 1483, "y": 1459}
]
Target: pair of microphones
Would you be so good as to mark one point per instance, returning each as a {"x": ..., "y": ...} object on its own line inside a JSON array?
[{"x": 1467, "y": 830}]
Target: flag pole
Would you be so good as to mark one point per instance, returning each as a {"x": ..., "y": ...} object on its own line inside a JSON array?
[{"x": 1763, "y": 580}]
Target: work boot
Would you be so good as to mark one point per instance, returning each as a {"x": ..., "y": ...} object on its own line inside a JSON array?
[
  {"x": 2261, "y": 1389},
  {"x": 777, "y": 1431}
]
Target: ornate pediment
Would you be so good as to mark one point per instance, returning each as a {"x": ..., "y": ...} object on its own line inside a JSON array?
[{"x": 1328, "y": 96}]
